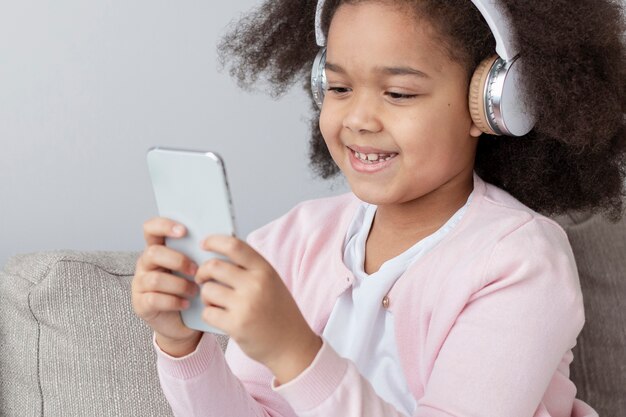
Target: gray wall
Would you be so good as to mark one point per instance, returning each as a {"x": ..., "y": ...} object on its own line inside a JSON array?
[{"x": 87, "y": 87}]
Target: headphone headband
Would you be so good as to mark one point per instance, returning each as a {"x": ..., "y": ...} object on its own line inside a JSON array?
[
  {"x": 497, "y": 21},
  {"x": 319, "y": 34},
  {"x": 500, "y": 27}
]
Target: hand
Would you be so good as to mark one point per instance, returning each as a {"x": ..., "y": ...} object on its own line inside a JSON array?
[
  {"x": 158, "y": 296},
  {"x": 248, "y": 300}
]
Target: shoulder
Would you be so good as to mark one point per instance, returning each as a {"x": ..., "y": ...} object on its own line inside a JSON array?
[
  {"x": 504, "y": 218},
  {"x": 324, "y": 210},
  {"x": 530, "y": 253},
  {"x": 495, "y": 221},
  {"x": 308, "y": 220},
  {"x": 509, "y": 243},
  {"x": 508, "y": 258}
]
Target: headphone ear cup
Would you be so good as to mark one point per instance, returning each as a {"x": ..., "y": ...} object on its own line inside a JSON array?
[
  {"x": 318, "y": 78},
  {"x": 478, "y": 85}
]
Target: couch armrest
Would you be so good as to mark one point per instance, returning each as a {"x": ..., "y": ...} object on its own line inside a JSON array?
[{"x": 70, "y": 343}]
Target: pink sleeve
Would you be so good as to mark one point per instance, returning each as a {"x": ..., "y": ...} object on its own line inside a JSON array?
[
  {"x": 202, "y": 384},
  {"x": 333, "y": 386}
]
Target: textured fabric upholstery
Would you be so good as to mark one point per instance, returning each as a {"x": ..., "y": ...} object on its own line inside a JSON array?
[
  {"x": 70, "y": 344},
  {"x": 599, "y": 366}
]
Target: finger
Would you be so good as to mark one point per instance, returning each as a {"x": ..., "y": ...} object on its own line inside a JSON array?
[
  {"x": 235, "y": 249},
  {"x": 154, "y": 302},
  {"x": 216, "y": 317},
  {"x": 221, "y": 270},
  {"x": 157, "y": 228},
  {"x": 162, "y": 282},
  {"x": 159, "y": 256},
  {"x": 216, "y": 294}
]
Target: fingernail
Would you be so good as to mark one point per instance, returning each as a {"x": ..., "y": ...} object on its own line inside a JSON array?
[{"x": 178, "y": 230}]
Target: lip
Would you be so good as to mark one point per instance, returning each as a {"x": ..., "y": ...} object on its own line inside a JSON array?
[{"x": 362, "y": 167}]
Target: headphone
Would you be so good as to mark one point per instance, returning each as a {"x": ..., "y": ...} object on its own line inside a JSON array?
[{"x": 495, "y": 100}]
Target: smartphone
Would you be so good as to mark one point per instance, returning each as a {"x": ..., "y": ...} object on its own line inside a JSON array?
[{"x": 190, "y": 187}]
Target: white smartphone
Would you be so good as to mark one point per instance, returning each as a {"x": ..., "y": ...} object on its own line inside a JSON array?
[{"x": 191, "y": 188}]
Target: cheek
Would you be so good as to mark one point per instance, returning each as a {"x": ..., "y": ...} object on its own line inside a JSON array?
[
  {"x": 437, "y": 134},
  {"x": 328, "y": 127},
  {"x": 450, "y": 116}
]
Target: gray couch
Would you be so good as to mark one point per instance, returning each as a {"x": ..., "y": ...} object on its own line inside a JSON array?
[{"x": 70, "y": 344}]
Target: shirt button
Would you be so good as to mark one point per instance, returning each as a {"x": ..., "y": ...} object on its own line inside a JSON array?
[{"x": 386, "y": 302}]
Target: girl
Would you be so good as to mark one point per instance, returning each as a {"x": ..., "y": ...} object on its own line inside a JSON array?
[{"x": 435, "y": 288}]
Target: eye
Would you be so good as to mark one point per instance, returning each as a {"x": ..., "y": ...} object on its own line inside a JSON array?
[
  {"x": 400, "y": 96},
  {"x": 338, "y": 91}
]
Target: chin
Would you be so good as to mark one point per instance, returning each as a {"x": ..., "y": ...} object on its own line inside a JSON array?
[{"x": 373, "y": 196}]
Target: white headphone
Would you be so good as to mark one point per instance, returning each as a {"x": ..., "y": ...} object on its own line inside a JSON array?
[{"x": 495, "y": 100}]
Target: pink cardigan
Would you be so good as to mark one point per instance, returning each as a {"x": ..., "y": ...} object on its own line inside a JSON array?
[{"x": 485, "y": 322}]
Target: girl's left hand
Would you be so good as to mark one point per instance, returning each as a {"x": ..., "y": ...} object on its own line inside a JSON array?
[{"x": 251, "y": 303}]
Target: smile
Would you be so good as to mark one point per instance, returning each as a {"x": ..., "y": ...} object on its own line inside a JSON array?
[
  {"x": 370, "y": 163},
  {"x": 372, "y": 158}
]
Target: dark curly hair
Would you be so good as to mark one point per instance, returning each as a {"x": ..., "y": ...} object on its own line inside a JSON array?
[{"x": 574, "y": 73}]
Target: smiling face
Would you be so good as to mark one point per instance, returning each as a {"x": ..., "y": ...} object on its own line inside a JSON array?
[{"x": 395, "y": 117}]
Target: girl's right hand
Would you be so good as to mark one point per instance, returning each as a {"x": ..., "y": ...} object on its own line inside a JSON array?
[{"x": 158, "y": 296}]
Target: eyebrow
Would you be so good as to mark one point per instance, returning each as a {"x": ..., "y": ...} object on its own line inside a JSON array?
[{"x": 383, "y": 70}]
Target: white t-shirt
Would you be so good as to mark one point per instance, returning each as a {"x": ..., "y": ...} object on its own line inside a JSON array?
[{"x": 359, "y": 327}]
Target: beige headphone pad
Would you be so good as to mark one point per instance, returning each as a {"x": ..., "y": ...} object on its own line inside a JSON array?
[{"x": 476, "y": 94}]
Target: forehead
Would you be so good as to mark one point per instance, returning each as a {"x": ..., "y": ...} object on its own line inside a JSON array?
[{"x": 390, "y": 33}]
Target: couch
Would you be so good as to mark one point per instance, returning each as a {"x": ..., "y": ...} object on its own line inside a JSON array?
[{"x": 70, "y": 344}]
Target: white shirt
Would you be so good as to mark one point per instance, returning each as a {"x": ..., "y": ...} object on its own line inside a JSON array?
[{"x": 359, "y": 327}]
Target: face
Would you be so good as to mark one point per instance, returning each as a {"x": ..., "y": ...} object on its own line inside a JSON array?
[{"x": 395, "y": 117}]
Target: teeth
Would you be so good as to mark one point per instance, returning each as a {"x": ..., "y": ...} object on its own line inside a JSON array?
[{"x": 373, "y": 157}]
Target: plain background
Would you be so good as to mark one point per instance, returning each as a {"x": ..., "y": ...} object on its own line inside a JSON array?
[{"x": 87, "y": 87}]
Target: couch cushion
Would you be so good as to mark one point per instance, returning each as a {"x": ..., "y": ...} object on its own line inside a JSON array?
[
  {"x": 599, "y": 366},
  {"x": 70, "y": 344}
]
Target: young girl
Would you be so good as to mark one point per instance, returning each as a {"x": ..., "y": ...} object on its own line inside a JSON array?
[{"x": 435, "y": 288}]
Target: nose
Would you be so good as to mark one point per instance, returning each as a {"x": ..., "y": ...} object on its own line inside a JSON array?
[{"x": 362, "y": 114}]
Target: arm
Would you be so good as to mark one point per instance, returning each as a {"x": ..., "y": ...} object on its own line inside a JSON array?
[
  {"x": 199, "y": 383},
  {"x": 333, "y": 386},
  {"x": 202, "y": 384},
  {"x": 247, "y": 299}
]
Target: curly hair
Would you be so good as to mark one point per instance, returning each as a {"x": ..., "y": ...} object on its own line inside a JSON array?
[{"x": 574, "y": 73}]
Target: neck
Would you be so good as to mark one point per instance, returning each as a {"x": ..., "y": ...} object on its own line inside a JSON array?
[{"x": 424, "y": 215}]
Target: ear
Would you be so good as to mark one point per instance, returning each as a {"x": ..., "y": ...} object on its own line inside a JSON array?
[{"x": 475, "y": 130}]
